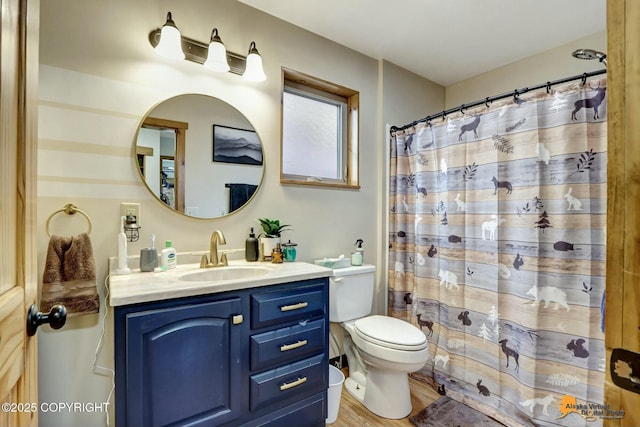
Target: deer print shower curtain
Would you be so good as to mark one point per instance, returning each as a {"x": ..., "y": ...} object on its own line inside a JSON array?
[{"x": 497, "y": 252}]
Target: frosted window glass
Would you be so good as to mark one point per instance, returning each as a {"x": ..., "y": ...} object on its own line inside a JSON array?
[{"x": 311, "y": 139}]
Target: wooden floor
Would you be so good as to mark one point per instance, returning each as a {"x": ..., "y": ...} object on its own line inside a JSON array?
[{"x": 353, "y": 413}]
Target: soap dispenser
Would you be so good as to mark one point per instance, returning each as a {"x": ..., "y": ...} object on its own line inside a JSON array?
[
  {"x": 251, "y": 247},
  {"x": 357, "y": 257}
]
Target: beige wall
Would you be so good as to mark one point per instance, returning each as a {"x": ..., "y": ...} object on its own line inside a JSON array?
[
  {"x": 405, "y": 93},
  {"x": 550, "y": 65}
]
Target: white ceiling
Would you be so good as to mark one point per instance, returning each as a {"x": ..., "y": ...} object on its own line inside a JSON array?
[{"x": 446, "y": 41}]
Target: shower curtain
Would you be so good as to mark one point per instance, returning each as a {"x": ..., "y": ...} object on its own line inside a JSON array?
[{"x": 497, "y": 252}]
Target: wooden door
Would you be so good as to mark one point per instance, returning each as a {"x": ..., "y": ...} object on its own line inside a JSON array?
[
  {"x": 623, "y": 207},
  {"x": 180, "y": 129},
  {"x": 18, "y": 268}
]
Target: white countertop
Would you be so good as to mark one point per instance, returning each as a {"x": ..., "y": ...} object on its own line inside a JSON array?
[{"x": 138, "y": 287}]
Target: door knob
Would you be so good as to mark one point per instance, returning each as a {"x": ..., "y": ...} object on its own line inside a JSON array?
[{"x": 56, "y": 318}]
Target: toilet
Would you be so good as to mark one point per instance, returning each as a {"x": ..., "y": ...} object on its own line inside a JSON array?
[{"x": 381, "y": 351}]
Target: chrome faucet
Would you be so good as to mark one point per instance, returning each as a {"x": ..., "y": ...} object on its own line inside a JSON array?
[{"x": 216, "y": 237}]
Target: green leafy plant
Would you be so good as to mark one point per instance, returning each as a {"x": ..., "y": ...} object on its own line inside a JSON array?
[{"x": 272, "y": 227}]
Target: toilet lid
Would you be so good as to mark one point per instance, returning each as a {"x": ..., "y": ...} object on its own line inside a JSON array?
[{"x": 390, "y": 332}]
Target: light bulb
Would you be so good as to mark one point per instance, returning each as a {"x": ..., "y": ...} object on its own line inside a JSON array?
[
  {"x": 254, "y": 71},
  {"x": 217, "y": 54},
  {"x": 170, "y": 44}
]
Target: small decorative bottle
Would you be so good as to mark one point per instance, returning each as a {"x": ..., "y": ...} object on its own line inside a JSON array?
[
  {"x": 276, "y": 255},
  {"x": 289, "y": 251}
]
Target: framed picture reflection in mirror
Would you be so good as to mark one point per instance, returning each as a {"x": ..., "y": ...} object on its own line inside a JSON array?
[{"x": 232, "y": 145}]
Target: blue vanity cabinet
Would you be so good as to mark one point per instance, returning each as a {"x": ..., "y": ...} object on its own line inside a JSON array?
[{"x": 249, "y": 357}]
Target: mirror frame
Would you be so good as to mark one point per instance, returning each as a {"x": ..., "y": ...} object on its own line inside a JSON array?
[{"x": 180, "y": 128}]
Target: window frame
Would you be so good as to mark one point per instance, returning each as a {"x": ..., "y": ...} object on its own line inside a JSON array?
[{"x": 315, "y": 88}]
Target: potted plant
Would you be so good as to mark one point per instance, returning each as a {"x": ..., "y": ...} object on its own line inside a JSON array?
[{"x": 271, "y": 236}]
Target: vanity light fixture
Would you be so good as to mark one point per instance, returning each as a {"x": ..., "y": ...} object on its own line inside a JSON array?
[{"x": 213, "y": 55}]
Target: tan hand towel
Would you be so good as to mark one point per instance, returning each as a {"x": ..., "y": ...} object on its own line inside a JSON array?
[{"x": 70, "y": 276}]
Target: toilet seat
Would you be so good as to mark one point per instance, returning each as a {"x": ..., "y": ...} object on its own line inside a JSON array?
[{"x": 390, "y": 332}]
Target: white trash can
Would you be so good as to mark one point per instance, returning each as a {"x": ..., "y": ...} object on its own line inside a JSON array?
[{"x": 336, "y": 379}]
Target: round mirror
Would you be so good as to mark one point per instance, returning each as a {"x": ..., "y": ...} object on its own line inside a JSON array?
[{"x": 199, "y": 156}]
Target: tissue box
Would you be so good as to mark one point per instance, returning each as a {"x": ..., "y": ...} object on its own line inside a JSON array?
[{"x": 333, "y": 262}]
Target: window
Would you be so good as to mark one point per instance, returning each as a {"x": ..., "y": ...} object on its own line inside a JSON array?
[{"x": 319, "y": 132}]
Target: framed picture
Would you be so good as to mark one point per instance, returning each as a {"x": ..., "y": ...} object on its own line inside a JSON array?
[{"x": 232, "y": 145}]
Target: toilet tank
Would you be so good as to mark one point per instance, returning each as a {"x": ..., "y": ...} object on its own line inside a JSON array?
[{"x": 351, "y": 292}]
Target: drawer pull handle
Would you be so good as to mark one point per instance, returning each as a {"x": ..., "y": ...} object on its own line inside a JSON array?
[
  {"x": 292, "y": 384},
  {"x": 293, "y": 346},
  {"x": 297, "y": 306}
]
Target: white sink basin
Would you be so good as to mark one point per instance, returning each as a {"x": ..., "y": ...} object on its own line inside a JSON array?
[{"x": 218, "y": 274}]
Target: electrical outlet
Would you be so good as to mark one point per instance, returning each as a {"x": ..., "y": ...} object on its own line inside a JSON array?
[{"x": 130, "y": 208}]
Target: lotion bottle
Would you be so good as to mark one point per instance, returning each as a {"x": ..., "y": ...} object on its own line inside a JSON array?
[{"x": 168, "y": 259}]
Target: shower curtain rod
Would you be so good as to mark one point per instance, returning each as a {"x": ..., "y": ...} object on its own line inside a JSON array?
[{"x": 515, "y": 95}]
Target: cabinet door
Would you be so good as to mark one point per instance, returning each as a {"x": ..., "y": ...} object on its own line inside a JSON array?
[{"x": 183, "y": 365}]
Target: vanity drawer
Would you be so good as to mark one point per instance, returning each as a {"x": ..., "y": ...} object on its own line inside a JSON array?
[
  {"x": 271, "y": 308},
  {"x": 286, "y": 344},
  {"x": 289, "y": 383},
  {"x": 311, "y": 412}
]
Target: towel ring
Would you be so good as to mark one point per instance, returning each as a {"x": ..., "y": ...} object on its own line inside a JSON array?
[{"x": 69, "y": 209}]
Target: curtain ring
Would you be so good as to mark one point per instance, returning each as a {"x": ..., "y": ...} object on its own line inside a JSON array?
[
  {"x": 486, "y": 102},
  {"x": 516, "y": 94},
  {"x": 444, "y": 115},
  {"x": 548, "y": 87},
  {"x": 429, "y": 122},
  {"x": 462, "y": 109},
  {"x": 584, "y": 79}
]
